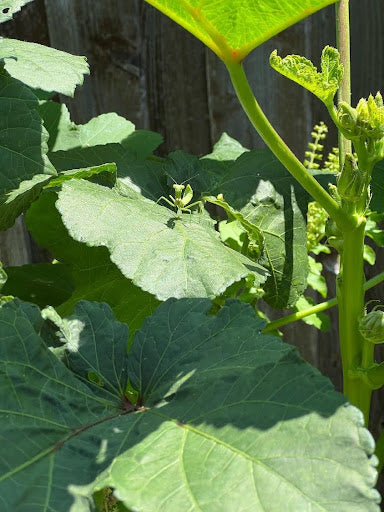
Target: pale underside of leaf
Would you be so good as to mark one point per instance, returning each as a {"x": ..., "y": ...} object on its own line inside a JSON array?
[
  {"x": 41, "y": 67},
  {"x": 164, "y": 255},
  {"x": 10, "y": 7}
]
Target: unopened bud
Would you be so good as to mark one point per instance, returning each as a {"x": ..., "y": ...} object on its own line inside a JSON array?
[
  {"x": 347, "y": 116},
  {"x": 350, "y": 184},
  {"x": 371, "y": 326}
]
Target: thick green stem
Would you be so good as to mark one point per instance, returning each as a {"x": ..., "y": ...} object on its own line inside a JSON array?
[
  {"x": 350, "y": 293},
  {"x": 343, "y": 44},
  {"x": 281, "y": 150}
]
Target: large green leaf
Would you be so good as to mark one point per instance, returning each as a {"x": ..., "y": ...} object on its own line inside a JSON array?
[
  {"x": 41, "y": 67},
  {"x": 233, "y": 28},
  {"x": 9, "y": 7},
  {"x": 92, "y": 275},
  {"x": 268, "y": 197},
  {"x": 164, "y": 255},
  {"x": 24, "y": 166},
  {"x": 225, "y": 416}
]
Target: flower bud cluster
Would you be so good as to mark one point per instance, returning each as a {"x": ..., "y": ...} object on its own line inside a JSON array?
[{"x": 366, "y": 120}]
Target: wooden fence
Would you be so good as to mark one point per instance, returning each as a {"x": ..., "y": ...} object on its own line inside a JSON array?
[{"x": 146, "y": 68}]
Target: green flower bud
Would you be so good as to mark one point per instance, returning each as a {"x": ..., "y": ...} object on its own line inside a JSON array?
[
  {"x": 347, "y": 117},
  {"x": 362, "y": 111},
  {"x": 371, "y": 326},
  {"x": 350, "y": 184}
]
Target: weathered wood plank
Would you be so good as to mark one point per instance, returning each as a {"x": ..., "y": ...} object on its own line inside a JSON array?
[
  {"x": 175, "y": 66},
  {"x": 108, "y": 34}
]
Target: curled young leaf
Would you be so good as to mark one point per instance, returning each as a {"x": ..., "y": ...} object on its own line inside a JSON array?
[{"x": 323, "y": 84}]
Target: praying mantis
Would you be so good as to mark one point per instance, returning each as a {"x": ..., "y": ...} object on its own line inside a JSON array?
[{"x": 182, "y": 199}]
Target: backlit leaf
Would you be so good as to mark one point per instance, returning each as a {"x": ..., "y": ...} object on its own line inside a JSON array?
[
  {"x": 233, "y": 28},
  {"x": 323, "y": 84}
]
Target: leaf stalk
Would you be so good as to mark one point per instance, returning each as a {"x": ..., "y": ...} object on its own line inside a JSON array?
[{"x": 282, "y": 151}]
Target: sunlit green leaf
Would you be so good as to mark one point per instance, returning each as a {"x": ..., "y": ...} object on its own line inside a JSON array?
[
  {"x": 41, "y": 67},
  {"x": 323, "y": 84},
  {"x": 92, "y": 274},
  {"x": 162, "y": 254},
  {"x": 232, "y": 29}
]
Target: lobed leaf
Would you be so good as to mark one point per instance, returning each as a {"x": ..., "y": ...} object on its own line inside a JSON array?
[
  {"x": 41, "y": 67},
  {"x": 322, "y": 84},
  {"x": 233, "y": 29},
  {"x": 228, "y": 415},
  {"x": 162, "y": 254}
]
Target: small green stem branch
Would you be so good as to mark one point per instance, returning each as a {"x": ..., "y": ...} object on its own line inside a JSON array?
[
  {"x": 281, "y": 150},
  {"x": 343, "y": 45},
  {"x": 350, "y": 293},
  {"x": 289, "y": 319},
  {"x": 323, "y": 306}
]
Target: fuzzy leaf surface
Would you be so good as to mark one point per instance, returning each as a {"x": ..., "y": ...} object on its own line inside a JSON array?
[
  {"x": 164, "y": 255},
  {"x": 65, "y": 134},
  {"x": 233, "y": 29},
  {"x": 323, "y": 84},
  {"x": 41, "y": 67},
  {"x": 227, "y": 416},
  {"x": 92, "y": 274},
  {"x": 9, "y": 7},
  {"x": 24, "y": 166}
]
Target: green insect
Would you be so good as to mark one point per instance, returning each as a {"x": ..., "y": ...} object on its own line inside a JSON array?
[{"x": 182, "y": 199}]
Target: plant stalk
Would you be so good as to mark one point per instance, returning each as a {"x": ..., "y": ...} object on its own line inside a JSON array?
[
  {"x": 350, "y": 294},
  {"x": 281, "y": 150},
  {"x": 344, "y": 47}
]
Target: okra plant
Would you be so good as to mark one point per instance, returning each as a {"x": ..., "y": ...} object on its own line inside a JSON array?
[{"x": 137, "y": 370}]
